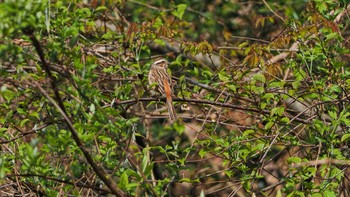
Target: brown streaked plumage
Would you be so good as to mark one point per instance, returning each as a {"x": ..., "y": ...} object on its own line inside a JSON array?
[{"x": 158, "y": 74}]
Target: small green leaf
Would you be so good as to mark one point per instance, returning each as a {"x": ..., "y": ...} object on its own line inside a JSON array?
[
  {"x": 346, "y": 121},
  {"x": 345, "y": 137},
  {"x": 268, "y": 96},
  {"x": 8, "y": 94},
  {"x": 231, "y": 87},
  {"x": 108, "y": 36},
  {"x": 23, "y": 122},
  {"x": 148, "y": 169},
  {"x": 258, "y": 90},
  {"x": 243, "y": 44},
  {"x": 260, "y": 77},
  {"x": 92, "y": 108},
  {"x": 269, "y": 125},
  {"x": 202, "y": 152},
  {"x": 335, "y": 88},
  {"x": 316, "y": 195},
  {"x": 202, "y": 194},
  {"x": 285, "y": 120},
  {"x": 296, "y": 84},
  {"x": 223, "y": 77},
  {"x": 248, "y": 132},
  {"x": 279, "y": 193},
  {"x": 35, "y": 114},
  {"x": 179, "y": 12},
  {"x": 276, "y": 84},
  {"x": 329, "y": 193},
  {"x": 101, "y": 8},
  {"x": 332, "y": 114},
  {"x": 294, "y": 160},
  {"x": 331, "y": 36},
  {"x": 123, "y": 180},
  {"x": 185, "y": 180}
]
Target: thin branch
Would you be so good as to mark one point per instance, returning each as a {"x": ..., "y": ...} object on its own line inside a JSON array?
[
  {"x": 186, "y": 100},
  {"x": 267, "y": 5},
  {"x": 79, "y": 184},
  {"x": 321, "y": 162},
  {"x": 243, "y": 48},
  {"x": 211, "y": 88},
  {"x": 30, "y": 33},
  {"x": 273, "y": 185},
  {"x": 32, "y": 131},
  {"x": 248, "y": 38},
  {"x": 150, "y": 6}
]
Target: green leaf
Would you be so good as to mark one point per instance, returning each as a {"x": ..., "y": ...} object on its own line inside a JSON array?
[
  {"x": 108, "y": 36},
  {"x": 223, "y": 77},
  {"x": 3, "y": 168},
  {"x": 335, "y": 88},
  {"x": 268, "y": 96},
  {"x": 276, "y": 84},
  {"x": 92, "y": 108},
  {"x": 333, "y": 35},
  {"x": 260, "y": 77},
  {"x": 202, "y": 194},
  {"x": 279, "y": 193},
  {"x": 35, "y": 114},
  {"x": 258, "y": 89},
  {"x": 294, "y": 160},
  {"x": 346, "y": 121},
  {"x": 123, "y": 180},
  {"x": 296, "y": 84},
  {"x": 185, "y": 180},
  {"x": 101, "y": 8},
  {"x": 180, "y": 128},
  {"x": 329, "y": 193},
  {"x": 243, "y": 44},
  {"x": 248, "y": 132},
  {"x": 23, "y": 122},
  {"x": 148, "y": 169},
  {"x": 277, "y": 110},
  {"x": 285, "y": 120},
  {"x": 231, "y": 87},
  {"x": 316, "y": 195},
  {"x": 179, "y": 12},
  {"x": 332, "y": 114},
  {"x": 202, "y": 152},
  {"x": 269, "y": 125},
  {"x": 8, "y": 94}
]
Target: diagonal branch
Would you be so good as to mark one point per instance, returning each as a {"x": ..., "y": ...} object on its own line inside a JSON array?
[{"x": 100, "y": 171}]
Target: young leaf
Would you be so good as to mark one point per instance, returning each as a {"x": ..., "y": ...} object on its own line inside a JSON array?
[{"x": 179, "y": 12}]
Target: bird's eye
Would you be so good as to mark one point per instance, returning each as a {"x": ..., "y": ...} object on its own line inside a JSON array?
[{"x": 161, "y": 63}]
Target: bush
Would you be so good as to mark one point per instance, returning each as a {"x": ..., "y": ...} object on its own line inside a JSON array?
[{"x": 260, "y": 88}]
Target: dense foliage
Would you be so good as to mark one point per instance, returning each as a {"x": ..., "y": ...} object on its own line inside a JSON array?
[{"x": 261, "y": 91}]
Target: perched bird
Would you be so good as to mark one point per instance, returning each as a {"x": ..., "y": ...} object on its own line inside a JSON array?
[{"x": 158, "y": 74}]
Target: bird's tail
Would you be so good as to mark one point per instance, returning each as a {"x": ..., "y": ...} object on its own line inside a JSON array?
[{"x": 171, "y": 109}]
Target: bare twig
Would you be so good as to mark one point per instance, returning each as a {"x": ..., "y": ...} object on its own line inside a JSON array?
[
  {"x": 79, "y": 184},
  {"x": 321, "y": 162},
  {"x": 267, "y": 5}
]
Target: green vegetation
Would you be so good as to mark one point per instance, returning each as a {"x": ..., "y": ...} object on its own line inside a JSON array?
[{"x": 261, "y": 89}]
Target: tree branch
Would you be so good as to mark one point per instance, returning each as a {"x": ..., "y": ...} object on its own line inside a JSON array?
[
  {"x": 304, "y": 120},
  {"x": 100, "y": 171}
]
